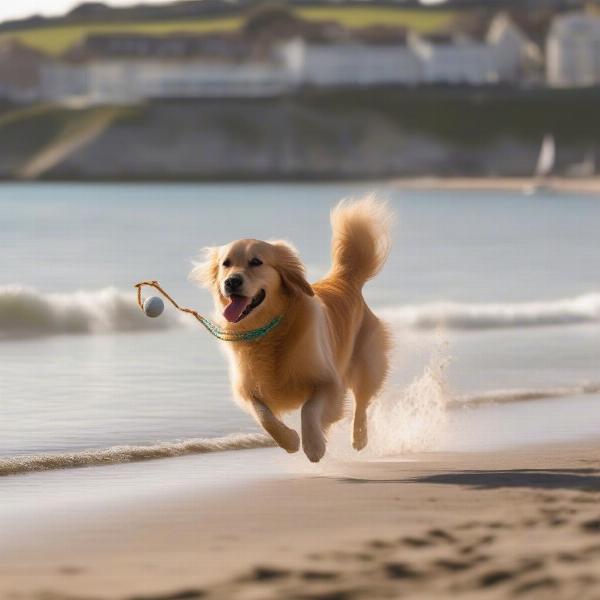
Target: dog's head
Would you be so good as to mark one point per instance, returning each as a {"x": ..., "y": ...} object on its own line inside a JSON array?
[{"x": 250, "y": 277}]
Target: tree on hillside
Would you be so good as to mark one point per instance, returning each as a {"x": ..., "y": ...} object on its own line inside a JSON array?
[{"x": 271, "y": 20}]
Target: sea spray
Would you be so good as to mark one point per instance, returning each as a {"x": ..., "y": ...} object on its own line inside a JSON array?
[
  {"x": 412, "y": 420},
  {"x": 400, "y": 420}
]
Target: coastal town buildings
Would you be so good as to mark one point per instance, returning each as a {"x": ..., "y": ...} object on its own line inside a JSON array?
[
  {"x": 351, "y": 62},
  {"x": 261, "y": 62},
  {"x": 517, "y": 58},
  {"x": 573, "y": 51},
  {"x": 127, "y": 81},
  {"x": 447, "y": 59},
  {"x": 129, "y": 68},
  {"x": 20, "y": 72}
]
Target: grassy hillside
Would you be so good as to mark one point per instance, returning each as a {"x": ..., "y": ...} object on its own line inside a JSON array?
[
  {"x": 324, "y": 134},
  {"x": 26, "y": 132},
  {"x": 56, "y": 39}
]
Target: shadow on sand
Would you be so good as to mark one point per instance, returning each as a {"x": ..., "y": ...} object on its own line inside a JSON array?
[{"x": 552, "y": 479}]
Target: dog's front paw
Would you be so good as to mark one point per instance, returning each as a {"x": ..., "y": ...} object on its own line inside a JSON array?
[
  {"x": 290, "y": 441},
  {"x": 359, "y": 438},
  {"x": 314, "y": 447}
]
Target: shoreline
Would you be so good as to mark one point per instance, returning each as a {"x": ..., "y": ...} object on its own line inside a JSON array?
[
  {"x": 525, "y": 185},
  {"x": 475, "y": 525},
  {"x": 584, "y": 185}
]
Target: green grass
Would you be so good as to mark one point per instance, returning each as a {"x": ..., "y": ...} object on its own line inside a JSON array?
[
  {"x": 57, "y": 39},
  {"x": 363, "y": 16}
]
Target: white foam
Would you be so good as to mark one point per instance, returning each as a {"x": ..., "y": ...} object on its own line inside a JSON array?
[
  {"x": 27, "y": 312},
  {"x": 453, "y": 315},
  {"x": 123, "y": 454},
  {"x": 400, "y": 422},
  {"x": 525, "y": 394}
]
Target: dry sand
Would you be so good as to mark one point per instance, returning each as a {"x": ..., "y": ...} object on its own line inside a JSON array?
[{"x": 522, "y": 523}]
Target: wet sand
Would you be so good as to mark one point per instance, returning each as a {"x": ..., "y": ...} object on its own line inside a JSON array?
[{"x": 516, "y": 523}]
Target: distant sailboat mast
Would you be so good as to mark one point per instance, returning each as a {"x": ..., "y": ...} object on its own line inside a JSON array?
[{"x": 547, "y": 157}]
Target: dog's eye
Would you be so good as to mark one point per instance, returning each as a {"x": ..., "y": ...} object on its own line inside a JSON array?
[
  {"x": 255, "y": 262},
  {"x": 226, "y": 263}
]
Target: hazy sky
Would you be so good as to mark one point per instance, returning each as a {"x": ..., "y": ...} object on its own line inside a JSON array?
[{"x": 24, "y": 8}]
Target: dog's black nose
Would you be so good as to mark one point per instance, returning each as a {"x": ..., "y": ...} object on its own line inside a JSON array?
[{"x": 233, "y": 284}]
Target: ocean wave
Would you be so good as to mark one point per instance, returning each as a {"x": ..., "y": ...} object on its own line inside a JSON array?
[
  {"x": 15, "y": 465},
  {"x": 453, "y": 315},
  {"x": 123, "y": 454},
  {"x": 26, "y": 312},
  {"x": 524, "y": 395}
]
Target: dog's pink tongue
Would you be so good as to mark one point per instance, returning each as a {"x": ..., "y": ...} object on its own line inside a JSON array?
[{"x": 235, "y": 308}]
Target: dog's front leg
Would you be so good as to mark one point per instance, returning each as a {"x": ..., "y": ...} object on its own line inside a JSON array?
[{"x": 285, "y": 437}]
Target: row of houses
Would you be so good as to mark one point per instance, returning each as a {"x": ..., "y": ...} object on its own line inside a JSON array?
[
  {"x": 127, "y": 68},
  {"x": 504, "y": 56},
  {"x": 573, "y": 51}
]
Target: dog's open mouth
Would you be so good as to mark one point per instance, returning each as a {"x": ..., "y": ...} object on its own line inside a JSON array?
[{"x": 240, "y": 307}]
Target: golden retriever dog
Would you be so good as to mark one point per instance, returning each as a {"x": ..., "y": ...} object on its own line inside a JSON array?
[{"x": 327, "y": 342}]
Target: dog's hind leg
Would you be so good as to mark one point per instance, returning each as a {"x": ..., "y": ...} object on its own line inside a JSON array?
[
  {"x": 324, "y": 407},
  {"x": 285, "y": 437},
  {"x": 368, "y": 370}
]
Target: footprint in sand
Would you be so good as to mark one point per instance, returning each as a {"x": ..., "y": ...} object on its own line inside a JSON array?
[
  {"x": 440, "y": 534},
  {"x": 536, "y": 584},
  {"x": 266, "y": 573},
  {"x": 191, "y": 594},
  {"x": 495, "y": 577},
  {"x": 591, "y": 526},
  {"x": 400, "y": 570},
  {"x": 416, "y": 542}
]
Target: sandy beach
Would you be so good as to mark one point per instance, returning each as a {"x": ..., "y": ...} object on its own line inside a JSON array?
[{"x": 515, "y": 523}]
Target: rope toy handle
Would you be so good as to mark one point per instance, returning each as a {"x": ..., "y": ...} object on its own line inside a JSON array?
[
  {"x": 158, "y": 287},
  {"x": 218, "y": 332}
]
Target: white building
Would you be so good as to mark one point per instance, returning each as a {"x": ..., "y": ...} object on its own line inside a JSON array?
[
  {"x": 517, "y": 57},
  {"x": 59, "y": 80},
  {"x": 573, "y": 51},
  {"x": 456, "y": 60},
  {"x": 127, "y": 69},
  {"x": 129, "y": 81},
  {"x": 20, "y": 68},
  {"x": 350, "y": 63}
]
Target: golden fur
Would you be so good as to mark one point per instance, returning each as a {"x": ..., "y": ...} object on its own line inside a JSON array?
[{"x": 329, "y": 341}]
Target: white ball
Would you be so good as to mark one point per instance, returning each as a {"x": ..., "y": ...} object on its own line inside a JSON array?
[{"x": 153, "y": 306}]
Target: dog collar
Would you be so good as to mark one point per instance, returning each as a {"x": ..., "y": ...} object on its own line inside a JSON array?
[
  {"x": 240, "y": 336},
  {"x": 221, "y": 334}
]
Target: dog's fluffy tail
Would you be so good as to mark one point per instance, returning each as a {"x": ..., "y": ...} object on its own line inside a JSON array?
[{"x": 361, "y": 238}]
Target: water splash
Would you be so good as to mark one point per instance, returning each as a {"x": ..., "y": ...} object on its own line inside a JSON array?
[{"x": 401, "y": 420}]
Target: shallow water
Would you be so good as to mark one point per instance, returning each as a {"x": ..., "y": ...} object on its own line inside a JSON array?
[{"x": 519, "y": 277}]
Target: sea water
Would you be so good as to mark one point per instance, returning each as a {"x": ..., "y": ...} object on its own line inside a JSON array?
[{"x": 502, "y": 288}]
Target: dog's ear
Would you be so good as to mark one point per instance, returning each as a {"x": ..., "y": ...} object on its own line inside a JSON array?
[
  {"x": 205, "y": 272},
  {"x": 290, "y": 267}
]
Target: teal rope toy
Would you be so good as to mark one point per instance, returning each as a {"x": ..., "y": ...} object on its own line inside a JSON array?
[{"x": 221, "y": 334}]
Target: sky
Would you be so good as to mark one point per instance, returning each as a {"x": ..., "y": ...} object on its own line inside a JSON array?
[{"x": 24, "y": 8}]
